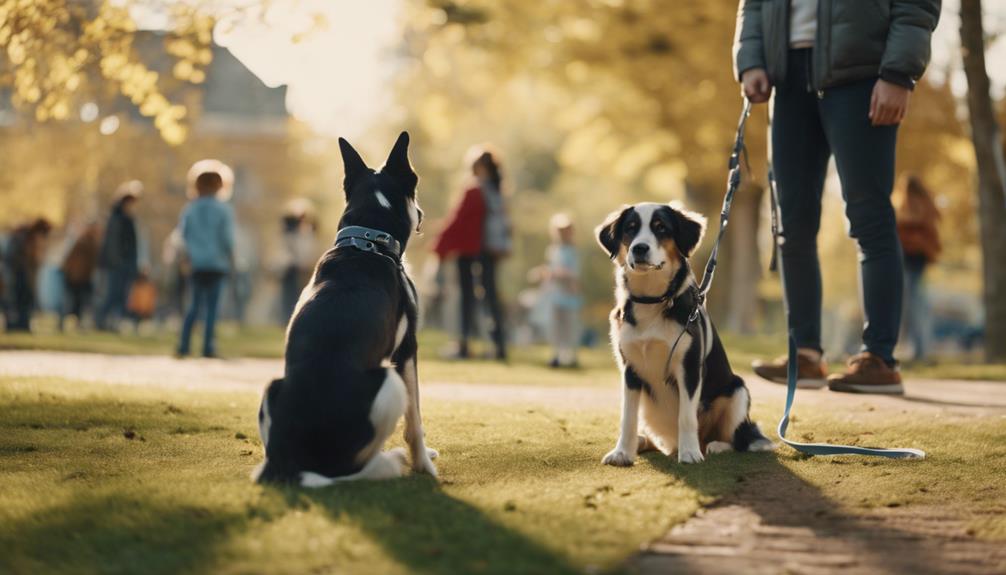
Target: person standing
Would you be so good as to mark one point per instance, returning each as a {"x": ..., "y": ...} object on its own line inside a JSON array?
[
  {"x": 119, "y": 257},
  {"x": 918, "y": 218},
  {"x": 842, "y": 74},
  {"x": 23, "y": 260},
  {"x": 563, "y": 275},
  {"x": 207, "y": 230},
  {"x": 78, "y": 274},
  {"x": 478, "y": 235}
]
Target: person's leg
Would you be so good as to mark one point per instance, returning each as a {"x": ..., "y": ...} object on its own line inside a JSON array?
[
  {"x": 864, "y": 156},
  {"x": 800, "y": 155},
  {"x": 214, "y": 285},
  {"x": 197, "y": 289},
  {"x": 466, "y": 281},
  {"x": 115, "y": 280},
  {"x": 493, "y": 301},
  {"x": 916, "y": 309},
  {"x": 23, "y": 301}
]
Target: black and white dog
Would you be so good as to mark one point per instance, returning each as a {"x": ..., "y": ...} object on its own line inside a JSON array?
[
  {"x": 351, "y": 344},
  {"x": 691, "y": 402}
]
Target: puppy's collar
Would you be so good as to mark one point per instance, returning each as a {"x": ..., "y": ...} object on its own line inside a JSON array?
[
  {"x": 672, "y": 289},
  {"x": 369, "y": 240}
]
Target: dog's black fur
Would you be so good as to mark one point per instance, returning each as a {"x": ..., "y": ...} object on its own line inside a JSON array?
[
  {"x": 693, "y": 402},
  {"x": 345, "y": 330}
]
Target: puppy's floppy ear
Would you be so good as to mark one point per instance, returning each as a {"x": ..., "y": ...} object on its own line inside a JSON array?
[
  {"x": 689, "y": 229},
  {"x": 398, "y": 161},
  {"x": 353, "y": 165},
  {"x": 609, "y": 233}
]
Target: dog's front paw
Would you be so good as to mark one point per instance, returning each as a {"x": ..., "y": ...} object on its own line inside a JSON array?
[
  {"x": 618, "y": 458},
  {"x": 425, "y": 465},
  {"x": 690, "y": 455}
]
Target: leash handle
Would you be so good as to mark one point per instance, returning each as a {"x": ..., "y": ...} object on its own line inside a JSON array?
[{"x": 827, "y": 448}]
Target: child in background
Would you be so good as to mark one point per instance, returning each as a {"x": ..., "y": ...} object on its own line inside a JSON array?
[
  {"x": 563, "y": 291},
  {"x": 207, "y": 229}
]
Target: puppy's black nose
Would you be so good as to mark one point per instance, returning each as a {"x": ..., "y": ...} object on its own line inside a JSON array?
[{"x": 640, "y": 250}]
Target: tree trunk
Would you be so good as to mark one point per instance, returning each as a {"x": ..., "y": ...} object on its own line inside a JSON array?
[
  {"x": 743, "y": 259},
  {"x": 988, "y": 146}
]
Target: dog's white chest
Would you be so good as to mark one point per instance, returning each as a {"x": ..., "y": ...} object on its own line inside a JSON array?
[{"x": 646, "y": 346}]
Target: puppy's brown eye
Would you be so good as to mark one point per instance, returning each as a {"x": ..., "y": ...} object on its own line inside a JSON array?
[{"x": 658, "y": 226}]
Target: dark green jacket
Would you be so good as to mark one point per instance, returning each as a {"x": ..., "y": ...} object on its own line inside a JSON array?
[{"x": 856, "y": 40}]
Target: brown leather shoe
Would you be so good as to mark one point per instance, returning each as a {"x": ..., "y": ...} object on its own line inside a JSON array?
[
  {"x": 810, "y": 374},
  {"x": 867, "y": 373}
]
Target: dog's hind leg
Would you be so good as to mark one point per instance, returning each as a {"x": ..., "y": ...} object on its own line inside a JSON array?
[
  {"x": 388, "y": 407},
  {"x": 384, "y": 465},
  {"x": 415, "y": 436},
  {"x": 688, "y": 375}
]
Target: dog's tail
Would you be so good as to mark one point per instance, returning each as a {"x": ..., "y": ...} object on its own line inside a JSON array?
[{"x": 748, "y": 436}]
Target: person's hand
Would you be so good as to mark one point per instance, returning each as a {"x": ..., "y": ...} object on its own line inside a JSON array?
[
  {"x": 756, "y": 85},
  {"x": 889, "y": 103}
]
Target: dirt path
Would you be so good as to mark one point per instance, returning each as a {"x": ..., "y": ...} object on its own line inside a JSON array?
[
  {"x": 774, "y": 524},
  {"x": 963, "y": 398},
  {"x": 779, "y": 524}
]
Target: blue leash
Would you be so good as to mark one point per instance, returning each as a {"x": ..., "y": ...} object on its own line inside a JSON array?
[
  {"x": 791, "y": 375},
  {"x": 827, "y": 448}
]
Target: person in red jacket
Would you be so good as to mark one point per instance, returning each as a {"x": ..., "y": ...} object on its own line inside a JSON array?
[{"x": 478, "y": 236}]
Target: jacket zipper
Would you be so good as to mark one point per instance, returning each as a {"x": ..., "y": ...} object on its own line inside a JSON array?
[{"x": 820, "y": 46}]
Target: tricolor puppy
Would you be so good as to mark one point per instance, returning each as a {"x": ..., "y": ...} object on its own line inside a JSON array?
[
  {"x": 351, "y": 344},
  {"x": 690, "y": 402}
]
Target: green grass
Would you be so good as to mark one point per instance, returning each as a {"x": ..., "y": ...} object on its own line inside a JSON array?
[{"x": 113, "y": 479}]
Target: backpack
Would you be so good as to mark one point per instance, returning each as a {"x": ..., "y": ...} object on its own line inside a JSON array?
[{"x": 497, "y": 235}]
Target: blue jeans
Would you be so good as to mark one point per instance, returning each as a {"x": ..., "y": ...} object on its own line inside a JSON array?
[
  {"x": 806, "y": 131},
  {"x": 117, "y": 284},
  {"x": 205, "y": 288},
  {"x": 917, "y": 324}
]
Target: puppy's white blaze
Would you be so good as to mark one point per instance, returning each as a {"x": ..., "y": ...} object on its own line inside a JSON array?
[
  {"x": 646, "y": 235},
  {"x": 382, "y": 199}
]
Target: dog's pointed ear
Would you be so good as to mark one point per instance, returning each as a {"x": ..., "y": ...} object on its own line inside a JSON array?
[
  {"x": 398, "y": 160},
  {"x": 609, "y": 233},
  {"x": 353, "y": 165},
  {"x": 689, "y": 229}
]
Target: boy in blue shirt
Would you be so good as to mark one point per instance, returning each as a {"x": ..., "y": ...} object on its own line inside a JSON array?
[{"x": 207, "y": 230}]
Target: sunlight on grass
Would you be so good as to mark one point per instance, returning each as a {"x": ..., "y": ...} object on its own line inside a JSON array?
[{"x": 126, "y": 478}]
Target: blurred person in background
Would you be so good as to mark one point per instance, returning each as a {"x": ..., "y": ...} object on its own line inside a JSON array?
[
  {"x": 78, "y": 270},
  {"x": 918, "y": 218},
  {"x": 119, "y": 256},
  {"x": 478, "y": 236},
  {"x": 207, "y": 230},
  {"x": 563, "y": 276},
  {"x": 300, "y": 254},
  {"x": 175, "y": 277},
  {"x": 23, "y": 258},
  {"x": 842, "y": 77}
]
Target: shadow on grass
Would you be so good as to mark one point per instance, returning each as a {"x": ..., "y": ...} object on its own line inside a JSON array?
[
  {"x": 430, "y": 532},
  {"x": 780, "y": 498},
  {"x": 116, "y": 534}
]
